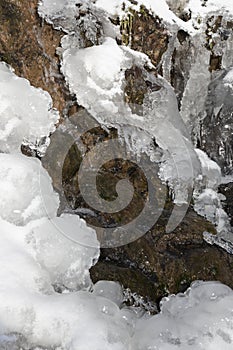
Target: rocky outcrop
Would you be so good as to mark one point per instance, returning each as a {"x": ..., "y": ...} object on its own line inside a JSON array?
[{"x": 159, "y": 262}]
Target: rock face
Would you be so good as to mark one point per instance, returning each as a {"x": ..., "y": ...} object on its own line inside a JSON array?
[
  {"x": 217, "y": 125},
  {"x": 159, "y": 262},
  {"x": 29, "y": 46},
  {"x": 145, "y": 33},
  {"x": 227, "y": 191}
]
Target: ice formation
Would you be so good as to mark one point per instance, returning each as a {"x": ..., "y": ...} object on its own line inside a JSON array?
[
  {"x": 32, "y": 314},
  {"x": 26, "y": 113},
  {"x": 62, "y": 13},
  {"x": 46, "y": 296},
  {"x": 200, "y": 319},
  {"x": 97, "y": 73},
  {"x": 26, "y": 190},
  {"x": 66, "y": 248},
  {"x": 30, "y": 307}
]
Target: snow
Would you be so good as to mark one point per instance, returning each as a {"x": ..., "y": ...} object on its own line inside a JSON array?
[
  {"x": 197, "y": 8},
  {"x": 162, "y": 10},
  {"x": 97, "y": 73},
  {"x": 158, "y": 8},
  {"x": 29, "y": 306},
  {"x": 97, "y": 69},
  {"x": 34, "y": 315},
  {"x": 66, "y": 248},
  {"x": 25, "y": 112},
  {"x": 42, "y": 254},
  {"x": 26, "y": 190},
  {"x": 62, "y": 13},
  {"x": 200, "y": 319}
]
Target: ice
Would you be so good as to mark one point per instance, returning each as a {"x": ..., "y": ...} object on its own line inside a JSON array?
[
  {"x": 59, "y": 10},
  {"x": 78, "y": 18},
  {"x": 109, "y": 290},
  {"x": 211, "y": 171},
  {"x": 32, "y": 314},
  {"x": 200, "y": 319},
  {"x": 26, "y": 190},
  {"x": 196, "y": 89},
  {"x": 47, "y": 300},
  {"x": 228, "y": 79},
  {"x": 66, "y": 248},
  {"x": 63, "y": 13},
  {"x": 207, "y": 203},
  {"x": 207, "y": 200},
  {"x": 26, "y": 113},
  {"x": 202, "y": 7},
  {"x": 97, "y": 74},
  {"x": 158, "y": 8}
]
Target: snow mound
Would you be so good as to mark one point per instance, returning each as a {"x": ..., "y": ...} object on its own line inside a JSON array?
[
  {"x": 66, "y": 248},
  {"x": 26, "y": 190},
  {"x": 32, "y": 314},
  {"x": 26, "y": 113},
  {"x": 200, "y": 319}
]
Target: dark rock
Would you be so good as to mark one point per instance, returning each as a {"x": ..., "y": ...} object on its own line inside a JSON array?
[
  {"x": 217, "y": 126},
  {"x": 227, "y": 191},
  {"x": 161, "y": 263}
]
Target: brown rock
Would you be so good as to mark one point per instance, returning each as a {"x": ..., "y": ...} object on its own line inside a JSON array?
[
  {"x": 145, "y": 33},
  {"x": 29, "y": 46},
  {"x": 161, "y": 263}
]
